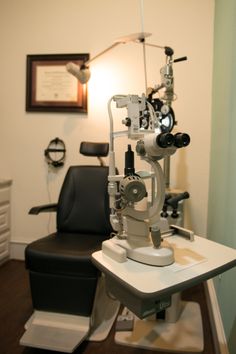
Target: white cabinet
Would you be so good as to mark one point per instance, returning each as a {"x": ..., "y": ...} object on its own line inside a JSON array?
[{"x": 5, "y": 197}]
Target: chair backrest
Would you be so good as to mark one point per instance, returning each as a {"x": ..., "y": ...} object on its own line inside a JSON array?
[
  {"x": 94, "y": 149},
  {"x": 83, "y": 205}
]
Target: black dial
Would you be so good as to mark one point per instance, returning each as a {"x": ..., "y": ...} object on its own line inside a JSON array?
[{"x": 165, "y": 114}]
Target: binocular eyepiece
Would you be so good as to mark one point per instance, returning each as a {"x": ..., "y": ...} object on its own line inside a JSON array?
[{"x": 179, "y": 140}]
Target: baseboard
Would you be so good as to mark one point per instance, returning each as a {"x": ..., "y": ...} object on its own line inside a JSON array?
[
  {"x": 17, "y": 250},
  {"x": 217, "y": 327}
]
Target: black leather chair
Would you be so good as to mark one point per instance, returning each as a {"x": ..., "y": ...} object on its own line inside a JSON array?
[{"x": 62, "y": 276}]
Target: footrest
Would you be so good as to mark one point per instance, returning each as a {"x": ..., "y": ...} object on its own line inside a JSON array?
[{"x": 55, "y": 331}]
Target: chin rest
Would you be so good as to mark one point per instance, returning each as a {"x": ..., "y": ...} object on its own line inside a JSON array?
[{"x": 63, "y": 279}]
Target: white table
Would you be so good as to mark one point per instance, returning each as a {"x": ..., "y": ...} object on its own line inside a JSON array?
[{"x": 144, "y": 289}]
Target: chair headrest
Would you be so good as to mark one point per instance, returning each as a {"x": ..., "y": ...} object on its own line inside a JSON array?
[{"x": 94, "y": 149}]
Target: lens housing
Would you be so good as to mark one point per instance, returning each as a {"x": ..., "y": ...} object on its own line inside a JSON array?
[
  {"x": 181, "y": 140},
  {"x": 165, "y": 140}
]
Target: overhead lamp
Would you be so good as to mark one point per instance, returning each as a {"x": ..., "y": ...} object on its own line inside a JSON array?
[{"x": 82, "y": 73}]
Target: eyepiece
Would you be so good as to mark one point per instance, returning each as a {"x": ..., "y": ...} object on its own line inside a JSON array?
[
  {"x": 165, "y": 140},
  {"x": 181, "y": 140}
]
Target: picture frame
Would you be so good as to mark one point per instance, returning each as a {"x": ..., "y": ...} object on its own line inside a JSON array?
[{"x": 50, "y": 88}]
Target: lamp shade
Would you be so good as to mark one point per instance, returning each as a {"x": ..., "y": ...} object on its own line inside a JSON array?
[{"x": 81, "y": 73}]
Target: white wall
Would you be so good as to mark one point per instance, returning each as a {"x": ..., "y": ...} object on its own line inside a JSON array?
[
  {"x": 76, "y": 26},
  {"x": 222, "y": 191}
]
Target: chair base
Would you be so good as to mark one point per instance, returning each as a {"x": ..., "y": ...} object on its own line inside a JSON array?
[
  {"x": 183, "y": 336},
  {"x": 105, "y": 310},
  {"x": 64, "y": 333}
]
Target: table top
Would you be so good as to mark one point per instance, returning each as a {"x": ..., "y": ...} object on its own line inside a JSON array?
[{"x": 195, "y": 262}]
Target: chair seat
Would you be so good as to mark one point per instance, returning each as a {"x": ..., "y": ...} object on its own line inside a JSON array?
[{"x": 64, "y": 253}]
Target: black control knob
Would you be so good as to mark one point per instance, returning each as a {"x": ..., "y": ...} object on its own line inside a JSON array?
[{"x": 127, "y": 122}]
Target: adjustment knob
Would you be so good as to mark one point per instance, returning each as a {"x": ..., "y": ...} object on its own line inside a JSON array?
[{"x": 132, "y": 188}]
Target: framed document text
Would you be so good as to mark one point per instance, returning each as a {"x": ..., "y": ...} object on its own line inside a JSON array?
[{"x": 50, "y": 88}]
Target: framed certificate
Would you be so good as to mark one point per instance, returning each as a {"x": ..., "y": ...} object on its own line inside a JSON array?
[{"x": 50, "y": 88}]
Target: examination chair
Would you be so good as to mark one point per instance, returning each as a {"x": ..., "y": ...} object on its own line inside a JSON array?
[{"x": 66, "y": 288}]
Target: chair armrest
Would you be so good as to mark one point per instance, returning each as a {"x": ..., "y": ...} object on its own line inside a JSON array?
[{"x": 43, "y": 209}]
